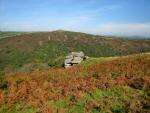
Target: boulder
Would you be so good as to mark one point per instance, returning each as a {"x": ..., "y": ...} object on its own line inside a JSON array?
[
  {"x": 78, "y": 54},
  {"x": 74, "y": 58},
  {"x": 77, "y": 60}
]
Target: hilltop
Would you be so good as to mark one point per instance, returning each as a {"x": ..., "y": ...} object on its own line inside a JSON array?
[{"x": 42, "y": 50}]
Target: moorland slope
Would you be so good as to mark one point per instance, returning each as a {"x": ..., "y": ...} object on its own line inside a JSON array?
[
  {"x": 38, "y": 51},
  {"x": 99, "y": 85}
]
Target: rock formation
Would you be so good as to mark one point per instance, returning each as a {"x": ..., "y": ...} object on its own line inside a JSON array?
[{"x": 74, "y": 58}]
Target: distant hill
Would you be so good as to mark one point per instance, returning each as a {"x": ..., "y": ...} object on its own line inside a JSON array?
[
  {"x": 5, "y": 34},
  {"x": 50, "y": 48}
]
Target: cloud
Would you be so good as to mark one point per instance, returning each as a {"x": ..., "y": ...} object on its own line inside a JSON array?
[
  {"x": 79, "y": 24},
  {"x": 43, "y": 24},
  {"x": 121, "y": 29}
]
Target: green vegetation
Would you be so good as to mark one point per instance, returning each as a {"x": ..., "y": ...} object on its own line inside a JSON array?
[
  {"x": 3, "y": 81},
  {"x": 50, "y": 48},
  {"x": 17, "y": 108},
  {"x": 94, "y": 60},
  {"x": 53, "y": 54},
  {"x": 116, "y": 100}
]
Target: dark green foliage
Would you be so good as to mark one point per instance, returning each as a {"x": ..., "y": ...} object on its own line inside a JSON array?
[
  {"x": 3, "y": 81},
  {"x": 58, "y": 62},
  {"x": 50, "y": 51},
  {"x": 16, "y": 60},
  {"x": 117, "y": 108}
]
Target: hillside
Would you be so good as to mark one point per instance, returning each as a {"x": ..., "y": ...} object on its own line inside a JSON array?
[
  {"x": 99, "y": 85},
  {"x": 38, "y": 51},
  {"x": 5, "y": 34}
]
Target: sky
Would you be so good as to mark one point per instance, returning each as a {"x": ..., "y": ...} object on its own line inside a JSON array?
[{"x": 102, "y": 17}]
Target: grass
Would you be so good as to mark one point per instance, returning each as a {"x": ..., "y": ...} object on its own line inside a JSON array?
[
  {"x": 93, "y": 60},
  {"x": 17, "y": 108},
  {"x": 116, "y": 100}
]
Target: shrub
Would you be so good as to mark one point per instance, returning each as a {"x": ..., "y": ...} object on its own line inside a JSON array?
[{"x": 58, "y": 62}]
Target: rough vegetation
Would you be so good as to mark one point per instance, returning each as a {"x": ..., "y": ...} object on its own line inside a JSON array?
[
  {"x": 105, "y": 85},
  {"x": 50, "y": 48},
  {"x": 31, "y": 82}
]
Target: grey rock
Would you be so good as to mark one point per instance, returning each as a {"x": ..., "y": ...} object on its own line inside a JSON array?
[
  {"x": 77, "y": 60},
  {"x": 69, "y": 57},
  {"x": 74, "y": 58}
]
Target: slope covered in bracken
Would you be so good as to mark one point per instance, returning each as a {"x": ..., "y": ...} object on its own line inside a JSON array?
[{"x": 113, "y": 85}]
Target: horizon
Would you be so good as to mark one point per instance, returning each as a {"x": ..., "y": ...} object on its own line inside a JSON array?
[{"x": 100, "y": 17}]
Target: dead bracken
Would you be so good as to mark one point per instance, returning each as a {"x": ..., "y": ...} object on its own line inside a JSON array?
[{"x": 38, "y": 88}]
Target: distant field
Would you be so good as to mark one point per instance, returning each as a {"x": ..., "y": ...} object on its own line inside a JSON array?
[{"x": 10, "y": 34}]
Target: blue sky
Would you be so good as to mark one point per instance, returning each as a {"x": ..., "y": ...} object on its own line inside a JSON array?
[{"x": 105, "y": 17}]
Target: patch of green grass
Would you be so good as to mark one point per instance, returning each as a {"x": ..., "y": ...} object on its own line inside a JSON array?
[
  {"x": 16, "y": 108},
  {"x": 93, "y": 61},
  {"x": 117, "y": 100}
]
